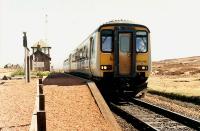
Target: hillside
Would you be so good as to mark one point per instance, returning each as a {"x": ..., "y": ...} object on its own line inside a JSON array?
[
  {"x": 180, "y": 76},
  {"x": 181, "y": 66}
]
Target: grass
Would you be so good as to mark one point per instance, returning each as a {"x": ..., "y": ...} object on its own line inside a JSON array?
[
  {"x": 18, "y": 72},
  {"x": 40, "y": 73},
  {"x": 184, "y": 86},
  {"x": 191, "y": 99},
  {"x": 179, "y": 88}
]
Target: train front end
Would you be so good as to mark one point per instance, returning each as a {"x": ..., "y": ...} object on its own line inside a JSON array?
[{"x": 125, "y": 56}]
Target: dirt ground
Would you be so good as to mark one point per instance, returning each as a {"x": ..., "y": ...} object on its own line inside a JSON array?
[
  {"x": 181, "y": 76},
  {"x": 6, "y": 72},
  {"x": 17, "y": 102},
  {"x": 69, "y": 105}
]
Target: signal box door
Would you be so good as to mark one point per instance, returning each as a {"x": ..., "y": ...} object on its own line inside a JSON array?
[{"x": 125, "y": 44}]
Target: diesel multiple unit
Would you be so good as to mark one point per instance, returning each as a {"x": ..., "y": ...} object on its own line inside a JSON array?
[{"x": 118, "y": 52}]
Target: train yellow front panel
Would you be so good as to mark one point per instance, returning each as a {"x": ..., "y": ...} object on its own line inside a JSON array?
[
  {"x": 106, "y": 59},
  {"x": 142, "y": 58}
]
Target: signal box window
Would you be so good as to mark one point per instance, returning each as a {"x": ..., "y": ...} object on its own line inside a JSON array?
[
  {"x": 141, "y": 42},
  {"x": 106, "y": 40}
]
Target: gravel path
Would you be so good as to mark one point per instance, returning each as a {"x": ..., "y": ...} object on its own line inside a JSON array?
[
  {"x": 70, "y": 105},
  {"x": 185, "y": 108},
  {"x": 17, "y": 103}
]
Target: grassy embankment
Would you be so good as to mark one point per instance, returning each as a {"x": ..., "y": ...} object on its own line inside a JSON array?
[{"x": 184, "y": 89}]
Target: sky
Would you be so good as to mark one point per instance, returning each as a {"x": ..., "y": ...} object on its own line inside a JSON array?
[{"x": 174, "y": 25}]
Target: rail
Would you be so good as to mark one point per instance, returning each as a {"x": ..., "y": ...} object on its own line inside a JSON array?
[
  {"x": 192, "y": 123},
  {"x": 134, "y": 121}
]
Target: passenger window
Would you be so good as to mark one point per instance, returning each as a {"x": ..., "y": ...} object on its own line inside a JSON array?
[
  {"x": 106, "y": 40},
  {"x": 81, "y": 55},
  {"x": 92, "y": 45},
  {"x": 86, "y": 53}
]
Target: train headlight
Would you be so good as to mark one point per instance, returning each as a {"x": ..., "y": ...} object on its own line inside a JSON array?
[
  {"x": 142, "y": 68},
  {"x": 106, "y": 67}
]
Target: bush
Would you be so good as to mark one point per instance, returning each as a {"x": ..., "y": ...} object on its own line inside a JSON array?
[
  {"x": 40, "y": 74},
  {"x": 18, "y": 72}
]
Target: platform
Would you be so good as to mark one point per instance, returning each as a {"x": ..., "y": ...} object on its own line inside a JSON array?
[
  {"x": 17, "y": 102},
  {"x": 70, "y": 105}
]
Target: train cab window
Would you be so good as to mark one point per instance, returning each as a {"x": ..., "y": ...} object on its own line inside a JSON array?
[
  {"x": 106, "y": 40},
  {"x": 141, "y": 42}
]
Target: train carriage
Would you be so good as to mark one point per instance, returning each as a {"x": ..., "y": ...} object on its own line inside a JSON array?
[{"x": 118, "y": 52}]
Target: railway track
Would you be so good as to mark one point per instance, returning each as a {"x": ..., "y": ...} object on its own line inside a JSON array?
[{"x": 146, "y": 116}]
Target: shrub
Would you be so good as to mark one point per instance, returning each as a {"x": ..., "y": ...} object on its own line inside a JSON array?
[
  {"x": 40, "y": 74},
  {"x": 18, "y": 72}
]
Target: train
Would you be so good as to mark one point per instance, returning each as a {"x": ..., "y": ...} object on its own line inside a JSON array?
[{"x": 117, "y": 52}]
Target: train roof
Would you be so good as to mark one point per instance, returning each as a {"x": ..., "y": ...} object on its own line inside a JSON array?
[
  {"x": 110, "y": 23},
  {"x": 121, "y": 23}
]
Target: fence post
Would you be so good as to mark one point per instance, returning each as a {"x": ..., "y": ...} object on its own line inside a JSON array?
[
  {"x": 39, "y": 89},
  {"x": 40, "y": 80},
  {"x": 41, "y": 102},
  {"x": 41, "y": 121}
]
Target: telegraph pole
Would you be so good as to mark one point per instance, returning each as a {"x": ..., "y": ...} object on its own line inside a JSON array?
[{"x": 26, "y": 59}]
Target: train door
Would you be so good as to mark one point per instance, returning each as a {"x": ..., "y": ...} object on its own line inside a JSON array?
[
  {"x": 124, "y": 42},
  {"x": 124, "y": 52}
]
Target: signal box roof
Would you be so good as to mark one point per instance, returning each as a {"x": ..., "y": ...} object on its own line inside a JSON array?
[{"x": 41, "y": 44}]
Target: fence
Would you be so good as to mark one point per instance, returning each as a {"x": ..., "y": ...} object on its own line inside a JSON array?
[{"x": 38, "y": 122}]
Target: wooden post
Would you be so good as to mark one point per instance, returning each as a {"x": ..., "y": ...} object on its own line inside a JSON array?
[
  {"x": 41, "y": 102},
  {"x": 25, "y": 63},
  {"x": 41, "y": 121},
  {"x": 40, "y": 80},
  {"x": 26, "y": 59},
  {"x": 40, "y": 89},
  {"x": 28, "y": 66}
]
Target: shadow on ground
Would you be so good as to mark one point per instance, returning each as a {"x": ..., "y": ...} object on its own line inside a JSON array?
[{"x": 62, "y": 79}]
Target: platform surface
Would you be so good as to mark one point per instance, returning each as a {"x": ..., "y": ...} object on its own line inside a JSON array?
[
  {"x": 70, "y": 105},
  {"x": 17, "y": 101}
]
